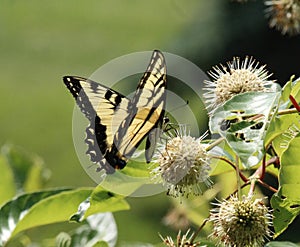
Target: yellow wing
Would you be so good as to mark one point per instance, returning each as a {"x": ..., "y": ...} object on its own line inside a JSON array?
[{"x": 147, "y": 109}]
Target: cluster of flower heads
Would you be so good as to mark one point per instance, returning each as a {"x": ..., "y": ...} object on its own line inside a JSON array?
[
  {"x": 241, "y": 223},
  {"x": 284, "y": 15},
  {"x": 184, "y": 163}
]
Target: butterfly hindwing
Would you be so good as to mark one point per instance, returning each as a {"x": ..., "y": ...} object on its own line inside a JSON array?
[{"x": 118, "y": 125}]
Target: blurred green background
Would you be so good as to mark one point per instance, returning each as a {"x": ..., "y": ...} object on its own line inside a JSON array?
[{"x": 41, "y": 41}]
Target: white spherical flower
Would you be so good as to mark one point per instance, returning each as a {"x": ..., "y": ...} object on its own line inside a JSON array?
[
  {"x": 238, "y": 77},
  {"x": 183, "y": 165},
  {"x": 242, "y": 223}
]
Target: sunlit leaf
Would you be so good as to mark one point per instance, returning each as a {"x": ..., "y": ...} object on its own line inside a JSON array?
[
  {"x": 242, "y": 121},
  {"x": 286, "y": 202},
  {"x": 279, "y": 126},
  {"x": 100, "y": 200},
  {"x": 296, "y": 89},
  {"x": 282, "y": 122},
  {"x": 97, "y": 230},
  {"x": 29, "y": 171},
  {"x": 123, "y": 184},
  {"x": 286, "y": 91},
  {"x": 101, "y": 244},
  {"x": 7, "y": 183},
  {"x": 136, "y": 168},
  {"x": 38, "y": 208}
]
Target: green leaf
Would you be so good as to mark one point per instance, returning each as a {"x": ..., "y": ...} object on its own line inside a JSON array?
[
  {"x": 286, "y": 91},
  {"x": 123, "y": 184},
  {"x": 296, "y": 89},
  {"x": 97, "y": 230},
  {"x": 38, "y": 208},
  {"x": 101, "y": 244},
  {"x": 100, "y": 200},
  {"x": 29, "y": 171},
  {"x": 281, "y": 244},
  {"x": 278, "y": 126},
  {"x": 281, "y": 123},
  {"x": 286, "y": 202},
  {"x": 236, "y": 122},
  {"x": 136, "y": 168},
  {"x": 7, "y": 183}
]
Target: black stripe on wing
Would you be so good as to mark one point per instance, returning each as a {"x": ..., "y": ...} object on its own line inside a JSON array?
[
  {"x": 74, "y": 85},
  {"x": 156, "y": 68}
]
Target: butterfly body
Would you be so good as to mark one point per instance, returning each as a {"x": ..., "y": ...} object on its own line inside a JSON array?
[{"x": 118, "y": 125}]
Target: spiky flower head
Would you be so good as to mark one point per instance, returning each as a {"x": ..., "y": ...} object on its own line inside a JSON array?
[
  {"x": 235, "y": 78},
  {"x": 284, "y": 15},
  {"x": 183, "y": 164},
  {"x": 181, "y": 241},
  {"x": 241, "y": 223}
]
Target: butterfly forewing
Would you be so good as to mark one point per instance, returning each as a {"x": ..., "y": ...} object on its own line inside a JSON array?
[{"x": 147, "y": 108}]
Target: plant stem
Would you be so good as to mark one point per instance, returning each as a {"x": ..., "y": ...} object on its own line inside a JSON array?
[
  {"x": 215, "y": 143},
  {"x": 267, "y": 186},
  {"x": 232, "y": 165},
  {"x": 263, "y": 168},
  {"x": 252, "y": 187},
  {"x": 238, "y": 180},
  {"x": 274, "y": 160},
  {"x": 287, "y": 111},
  {"x": 198, "y": 230},
  {"x": 294, "y": 102}
]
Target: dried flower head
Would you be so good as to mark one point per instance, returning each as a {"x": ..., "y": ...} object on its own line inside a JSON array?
[
  {"x": 181, "y": 241},
  {"x": 242, "y": 223},
  {"x": 284, "y": 15},
  {"x": 238, "y": 77},
  {"x": 183, "y": 164}
]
